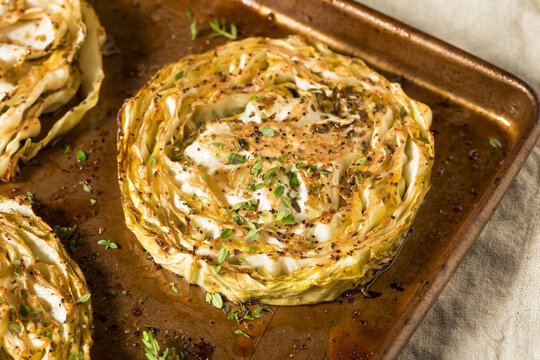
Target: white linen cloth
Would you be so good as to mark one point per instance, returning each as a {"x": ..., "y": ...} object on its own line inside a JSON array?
[{"x": 490, "y": 309}]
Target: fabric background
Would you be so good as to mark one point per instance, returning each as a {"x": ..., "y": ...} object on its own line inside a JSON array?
[{"x": 490, "y": 309}]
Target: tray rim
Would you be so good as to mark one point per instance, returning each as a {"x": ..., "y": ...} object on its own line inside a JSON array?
[{"x": 466, "y": 235}]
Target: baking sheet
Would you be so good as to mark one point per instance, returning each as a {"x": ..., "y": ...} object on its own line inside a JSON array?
[{"x": 471, "y": 102}]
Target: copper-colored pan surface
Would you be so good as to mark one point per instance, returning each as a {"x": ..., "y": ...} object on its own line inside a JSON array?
[{"x": 471, "y": 101}]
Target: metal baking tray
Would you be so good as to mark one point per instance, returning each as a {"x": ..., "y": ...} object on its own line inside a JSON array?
[{"x": 472, "y": 101}]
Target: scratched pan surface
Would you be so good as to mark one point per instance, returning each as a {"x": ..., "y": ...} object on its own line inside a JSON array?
[{"x": 471, "y": 102}]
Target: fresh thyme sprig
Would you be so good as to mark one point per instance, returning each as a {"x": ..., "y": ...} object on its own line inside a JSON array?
[
  {"x": 152, "y": 349},
  {"x": 221, "y": 30}
]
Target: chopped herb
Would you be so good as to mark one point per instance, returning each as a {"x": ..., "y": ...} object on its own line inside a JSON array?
[
  {"x": 81, "y": 156},
  {"x": 214, "y": 299},
  {"x": 250, "y": 205},
  {"x": 272, "y": 170},
  {"x": 24, "y": 310},
  {"x": 109, "y": 292},
  {"x": 194, "y": 30},
  {"x": 222, "y": 254},
  {"x": 218, "y": 145},
  {"x": 323, "y": 171},
  {"x": 16, "y": 270},
  {"x": 217, "y": 301},
  {"x": 255, "y": 97},
  {"x": 289, "y": 220},
  {"x": 280, "y": 158},
  {"x": 360, "y": 161},
  {"x": 265, "y": 308},
  {"x": 242, "y": 261},
  {"x": 256, "y": 168},
  {"x": 251, "y": 250},
  {"x": 263, "y": 115},
  {"x": 495, "y": 143},
  {"x": 93, "y": 201},
  {"x": 75, "y": 243},
  {"x": 240, "y": 332},
  {"x": 254, "y": 187},
  {"x": 189, "y": 14},
  {"x": 282, "y": 214},
  {"x": 14, "y": 328},
  {"x": 221, "y": 30},
  {"x": 238, "y": 205},
  {"x": 279, "y": 191},
  {"x": 108, "y": 244},
  {"x": 237, "y": 218},
  {"x": 258, "y": 312},
  {"x": 300, "y": 164},
  {"x": 309, "y": 136},
  {"x": 293, "y": 179},
  {"x": 184, "y": 353},
  {"x": 266, "y": 131},
  {"x": 234, "y": 31},
  {"x": 67, "y": 234},
  {"x": 226, "y": 308},
  {"x": 179, "y": 75},
  {"x": 286, "y": 201},
  {"x": 286, "y": 217},
  {"x": 124, "y": 292},
  {"x": 30, "y": 197},
  {"x": 67, "y": 148},
  {"x": 152, "y": 349},
  {"x": 84, "y": 298},
  {"x": 252, "y": 235},
  {"x": 234, "y": 158},
  {"x": 73, "y": 340},
  {"x": 174, "y": 288},
  {"x": 218, "y": 269},
  {"x": 253, "y": 225},
  {"x": 88, "y": 188},
  {"x": 152, "y": 160},
  {"x": 226, "y": 233}
]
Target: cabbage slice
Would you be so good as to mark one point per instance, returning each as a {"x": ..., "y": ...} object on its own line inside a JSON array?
[
  {"x": 45, "y": 311},
  {"x": 50, "y": 55},
  {"x": 273, "y": 169}
]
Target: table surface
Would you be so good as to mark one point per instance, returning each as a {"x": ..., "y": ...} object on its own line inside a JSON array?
[{"x": 490, "y": 309}]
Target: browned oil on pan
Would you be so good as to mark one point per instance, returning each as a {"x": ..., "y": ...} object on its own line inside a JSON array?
[{"x": 471, "y": 102}]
